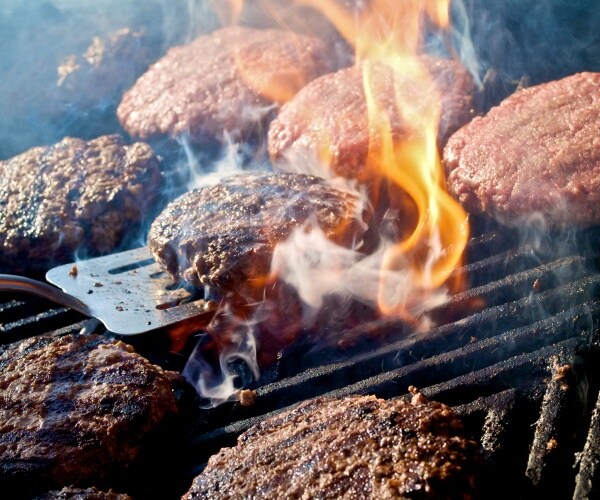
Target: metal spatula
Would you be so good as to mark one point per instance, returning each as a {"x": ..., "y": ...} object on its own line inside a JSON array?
[{"x": 126, "y": 291}]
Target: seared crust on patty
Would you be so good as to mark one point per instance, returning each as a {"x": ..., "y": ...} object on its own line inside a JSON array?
[
  {"x": 224, "y": 235},
  {"x": 328, "y": 119},
  {"x": 76, "y": 195},
  {"x": 76, "y": 410},
  {"x": 222, "y": 82},
  {"x": 356, "y": 447},
  {"x": 538, "y": 152}
]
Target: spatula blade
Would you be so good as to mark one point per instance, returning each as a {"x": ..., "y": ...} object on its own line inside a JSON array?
[{"x": 129, "y": 293}]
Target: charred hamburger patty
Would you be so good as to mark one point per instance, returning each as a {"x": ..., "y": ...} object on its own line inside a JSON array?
[
  {"x": 76, "y": 410},
  {"x": 224, "y": 81},
  {"x": 537, "y": 152},
  {"x": 224, "y": 235},
  {"x": 357, "y": 447},
  {"x": 76, "y": 195},
  {"x": 329, "y": 117}
]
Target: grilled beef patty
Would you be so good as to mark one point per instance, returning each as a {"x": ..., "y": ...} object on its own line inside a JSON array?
[
  {"x": 357, "y": 447},
  {"x": 223, "y": 82},
  {"x": 76, "y": 410},
  {"x": 328, "y": 119},
  {"x": 224, "y": 235},
  {"x": 537, "y": 152},
  {"x": 74, "y": 196}
]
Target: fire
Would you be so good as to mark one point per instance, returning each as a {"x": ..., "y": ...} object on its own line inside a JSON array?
[
  {"x": 388, "y": 33},
  {"x": 415, "y": 266}
]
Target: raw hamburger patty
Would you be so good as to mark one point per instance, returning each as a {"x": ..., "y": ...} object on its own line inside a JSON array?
[
  {"x": 73, "y": 196},
  {"x": 224, "y": 235},
  {"x": 538, "y": 151},
  {"x": 357, "y": 447},
  {"x": 225, "y": 81},
  {"x": 76, "y": 410},
  {"x": 329, "y": 118}
]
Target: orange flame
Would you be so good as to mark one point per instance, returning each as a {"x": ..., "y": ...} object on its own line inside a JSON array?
[{"x": 388, "y": 33}]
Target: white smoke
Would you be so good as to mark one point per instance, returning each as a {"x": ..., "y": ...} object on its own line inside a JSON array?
[
  {"x": 220, "y": 384},
  {"x": 318, "y": 268},
  {"x": 233, "y": 159}
]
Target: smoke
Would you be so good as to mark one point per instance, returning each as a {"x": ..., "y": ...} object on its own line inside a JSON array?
[
  {"x": 232, "y": 157},
  {"x": 319, "y": 269},
  {"x": 219, "y": 382},
  {"x": 504, "y": 44},
  {"x": 36, "y": 38},
  {"x": 518, "y": 43},
  {"x": 463, "y": 41}
]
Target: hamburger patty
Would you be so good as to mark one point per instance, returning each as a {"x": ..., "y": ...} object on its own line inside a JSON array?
[
  {"x": 76, "y": 410},
  {"x": 224, "y": 235},
  {"x": 537, "y": 152},
  {"x": 357, "y": 447},
  {"x": 329, "y": 117},
  {"x": 222, "y": 82},
  {"x": 73, "y": 196}
]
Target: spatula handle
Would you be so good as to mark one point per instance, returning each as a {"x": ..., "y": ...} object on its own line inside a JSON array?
[{"x": 12, "y": 283}]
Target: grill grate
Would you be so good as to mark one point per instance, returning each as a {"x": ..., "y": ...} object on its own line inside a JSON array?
[{"x": 515, "y": 355}]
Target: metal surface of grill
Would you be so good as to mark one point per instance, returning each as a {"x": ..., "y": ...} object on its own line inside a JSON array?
[{"x": 515, "y": 355}]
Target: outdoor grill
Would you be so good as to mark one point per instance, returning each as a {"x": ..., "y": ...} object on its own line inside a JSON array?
[
  {"x": 515, "y": 351},
  {"x": 515, "y": 355}
]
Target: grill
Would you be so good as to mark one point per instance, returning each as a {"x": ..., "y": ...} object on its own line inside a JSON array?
[{"x": 515, "y": 355}]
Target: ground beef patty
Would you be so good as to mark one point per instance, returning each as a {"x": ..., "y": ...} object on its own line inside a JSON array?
[
  {"x": 223, "y": 82},
  {"x": 328, "y": 119},
  {"x": 537, "y": 152},
  {"x": 357, "y": 447},
  {"x": 77, "y": 410},
  {"x": 73, "y": 196},
  {"x": 224, "y": 235}
]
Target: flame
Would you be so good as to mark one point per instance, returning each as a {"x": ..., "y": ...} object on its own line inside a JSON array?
[
  {"x": 406, "y": 275},
  {"x": 387, "y": 34}
]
